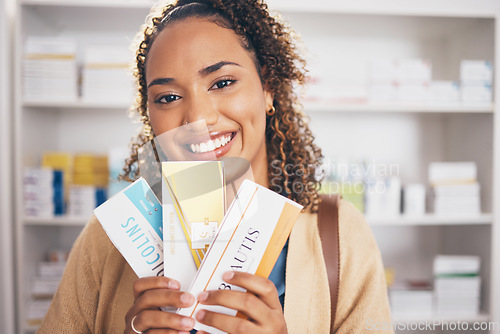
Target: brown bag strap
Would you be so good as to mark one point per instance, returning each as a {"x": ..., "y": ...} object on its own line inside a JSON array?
[{"x": 328, "y": 225}]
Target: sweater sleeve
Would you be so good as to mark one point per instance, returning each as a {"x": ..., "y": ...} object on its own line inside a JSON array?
[
  {"x": 363, "y": 305},
  {"x": 74, "y": 307}
]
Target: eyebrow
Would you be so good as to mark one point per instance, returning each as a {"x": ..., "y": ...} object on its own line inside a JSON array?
[
  {"x": 215, "y": 67},
  {"x": 203, "y": 72},
  {"x": 160, "y": 81}
]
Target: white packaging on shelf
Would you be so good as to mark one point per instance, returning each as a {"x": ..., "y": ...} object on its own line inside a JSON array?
[
  {"x": 457, "y": 206},
  {"x": 383, "y": 93},
  {"x": 476, "y": 72},
  {"x": 471, "y": 189},
  {"x": 382, "y": 71},
  {"x": 444, "y": 92},
  {"x": 50, "y": 69},
  {"x": 414, "y": 199},
  {"x": 474, "y": 95},
  {"x": 51, "y": 269},
  {"x": 408, "y": 93},
  {"x": 416, "y": 72},
  {"x": 449, "y": 172},
  {"x": 38, "y": 192},
  {"x": 106, "y": 74},
  {"x": 456, "y": 264},
  {"x": 82, "y": 200},
  {"x": 411, "y": 303}
]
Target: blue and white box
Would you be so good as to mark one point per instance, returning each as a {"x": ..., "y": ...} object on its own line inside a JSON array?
[{"x": 132, "y": 220}]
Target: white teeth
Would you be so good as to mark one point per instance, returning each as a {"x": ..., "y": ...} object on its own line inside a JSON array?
[{"x": 210, "y": 145}]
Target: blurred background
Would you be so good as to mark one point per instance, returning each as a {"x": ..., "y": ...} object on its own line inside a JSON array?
[{"x": 400, "y": 99}]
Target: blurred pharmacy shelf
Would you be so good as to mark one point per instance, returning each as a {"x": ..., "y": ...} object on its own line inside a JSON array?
[
  {"x": 56, "y": 221},
  {"x": 445, "y": 8},
  {"x": 339, "y": 32},
  {"x": 482, "y": 317},
  {"x": 91, "y": 4},
  {"x": 397, "y": 108},
  {"x": 76, "y": 105},
  {"x": 430, "y": 220}
]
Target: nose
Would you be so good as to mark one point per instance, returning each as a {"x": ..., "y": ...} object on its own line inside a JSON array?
[{"x": 201, "y": 108}]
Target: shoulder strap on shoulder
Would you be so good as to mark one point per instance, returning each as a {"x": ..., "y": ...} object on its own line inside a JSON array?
[{"x": 328, "y": 225}]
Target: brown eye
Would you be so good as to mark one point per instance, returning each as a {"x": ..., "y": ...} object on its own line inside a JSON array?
[
  {"x": 222, "y": 83},
  {"x": 168, "y": 98}
]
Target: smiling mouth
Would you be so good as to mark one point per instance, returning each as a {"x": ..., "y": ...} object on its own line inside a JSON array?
[{"x": 211, "y": 144}]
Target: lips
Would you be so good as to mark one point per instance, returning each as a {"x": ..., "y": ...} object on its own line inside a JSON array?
[{"x": 214, "y": 143}]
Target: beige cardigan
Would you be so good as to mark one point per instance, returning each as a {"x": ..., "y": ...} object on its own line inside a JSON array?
[{"x": 96, "y": 290}]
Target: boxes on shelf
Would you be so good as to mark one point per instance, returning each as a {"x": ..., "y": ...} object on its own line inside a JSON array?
[
  {"x": 455, "y": 188},
  {"x": 50, "y": 69},
  {"x": 476, "y": 77},
  {"x": 414, "y": 200},
  {"x": 457, "y": 285},
  {"x": 383, "y": 197},
  {"x": 43, "y": 192},
  {"x": 90, "y": 180},
  {"x": 106, "y": 75},
  {"x": 399, "y": 80},
  {"x": 44, "y": 285},
  {"x": 411, "y": 302},
  {"x": 66, "y": 184},
  {"x": 445, "y": 92}
]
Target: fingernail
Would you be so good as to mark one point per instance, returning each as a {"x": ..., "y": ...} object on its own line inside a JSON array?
[
  {"x": 187, "y": 322},
  {"x": 200, "y": 315},
  {"x": 174, "y": 285},
  {"x": 186, "y": 298},
  {"x": 203, "y": 296},
  {"x": 228, "y": 275}
]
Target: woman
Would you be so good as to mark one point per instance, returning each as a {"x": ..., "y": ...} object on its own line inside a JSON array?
[{"x": 231, "y": 64}]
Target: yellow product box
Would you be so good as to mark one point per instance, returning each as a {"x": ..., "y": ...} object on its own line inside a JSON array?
[
  {"x": 193, "y": 198},
  {"x": 250, "y": 239}
]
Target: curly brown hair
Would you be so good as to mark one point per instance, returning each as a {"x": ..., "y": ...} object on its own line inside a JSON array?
[{"x": 293, "y": 157}]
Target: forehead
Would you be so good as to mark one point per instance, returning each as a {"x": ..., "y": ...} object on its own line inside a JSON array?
[{"x": 189, "y": 45}]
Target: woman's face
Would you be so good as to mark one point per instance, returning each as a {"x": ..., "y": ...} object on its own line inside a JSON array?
[{"x": 197, "y": 70}]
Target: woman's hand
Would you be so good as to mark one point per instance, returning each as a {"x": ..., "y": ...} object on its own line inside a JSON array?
[
  {"x": 151, "y": 293},
  {"x": 260, "y": 304}
]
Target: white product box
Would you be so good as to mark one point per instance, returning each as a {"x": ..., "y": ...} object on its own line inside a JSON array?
[
  {"x": 250, "y": 239},
  {"x": 414, "y": 199},
  {"x": 456, "y": 264},
  {"x": 50, "y": 69},
  {"x": 452, "y": 172},
  {"x": 383, "y": 93},
  {"x": 408, "y": 93},
  {"x": 473, "y": 95},
  {"x": 476, "y": 72},
  {"x": 132, "y": 220},
  {"x": 382, "y": 71},
  {"x": 445, "y": 92},
  {"x": 106, "y": 74},
  {"x": 414, "y": 72}
]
